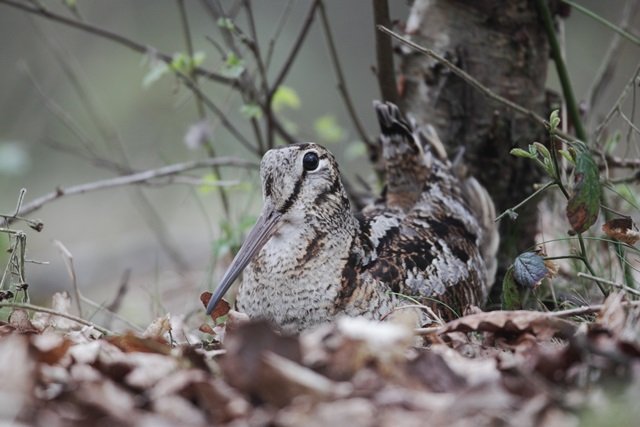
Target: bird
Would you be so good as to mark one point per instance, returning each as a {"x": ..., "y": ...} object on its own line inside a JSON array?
[{"x": 428, "y": 239}]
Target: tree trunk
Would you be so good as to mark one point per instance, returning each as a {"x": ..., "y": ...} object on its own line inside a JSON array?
[{"x": 502, "y": 44}]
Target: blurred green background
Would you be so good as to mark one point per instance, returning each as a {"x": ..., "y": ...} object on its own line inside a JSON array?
[{"x": 109, "y": 232}]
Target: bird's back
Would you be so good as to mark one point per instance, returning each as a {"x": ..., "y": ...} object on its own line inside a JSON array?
[{"x": 424, "y": 237}]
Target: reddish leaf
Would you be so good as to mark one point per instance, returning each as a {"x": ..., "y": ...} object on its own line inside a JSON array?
[
  {"x": 584, "y": 205},
  {"x": 221, "y": 309},
  {"x": 621, "y": 229},
  {"x": 131, "y": 343}
]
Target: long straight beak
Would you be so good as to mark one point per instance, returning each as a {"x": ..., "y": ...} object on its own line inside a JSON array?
[{"x": 266, "y": 226}]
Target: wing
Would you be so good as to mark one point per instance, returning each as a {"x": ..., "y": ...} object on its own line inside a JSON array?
[{"x": 423, "y": 236}]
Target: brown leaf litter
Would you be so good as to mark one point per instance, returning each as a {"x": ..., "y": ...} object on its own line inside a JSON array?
[{"x": 497, "y": 368}]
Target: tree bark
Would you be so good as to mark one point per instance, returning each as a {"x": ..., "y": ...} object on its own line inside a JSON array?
[{"x": 503, "y": 45}]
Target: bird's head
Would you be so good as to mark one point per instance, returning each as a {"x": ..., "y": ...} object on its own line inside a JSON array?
[{"x": 296, "y": 180}]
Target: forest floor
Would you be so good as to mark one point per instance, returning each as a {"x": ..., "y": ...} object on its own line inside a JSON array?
[{"x": 525, "y": 368}]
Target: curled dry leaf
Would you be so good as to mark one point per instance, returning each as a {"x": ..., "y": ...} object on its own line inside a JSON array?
[
  {"x": 540, "y": 324},
  {"x": 129, "y": 343},
  {"x": 221, "y": 309},
  {"x": 159, "y": 327},
  {"x": 60, "y": 302},
  {"x": 622, "y": 229}
]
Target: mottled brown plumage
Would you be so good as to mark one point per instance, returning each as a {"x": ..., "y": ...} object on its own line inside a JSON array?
[{"x": 311, "y": 259}]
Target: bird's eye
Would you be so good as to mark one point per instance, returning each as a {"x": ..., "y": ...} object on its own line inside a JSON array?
[{"x": 310, "y": 161}]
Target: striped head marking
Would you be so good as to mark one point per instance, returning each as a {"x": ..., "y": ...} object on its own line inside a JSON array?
[
  {"x": 297, "y": 181},
  {"x": 295, "y": 176}
]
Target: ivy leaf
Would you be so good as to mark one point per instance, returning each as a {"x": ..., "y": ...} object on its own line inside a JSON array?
[
  {"x": 584, "y": 205},
  {"x": 328, "y": 129},
  {"x": 283, "y": 97},
  {"x": 529, "y": 269}
]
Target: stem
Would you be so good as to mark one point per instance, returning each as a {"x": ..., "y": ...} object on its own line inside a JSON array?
[
  {"x": 563, "y": 75},
  {"x": 531, "y": 196},
  {"x": 79, "y": 320},
  {"x": 199, "y": 101},
  {"x": 384, "y": 53},
  {"x": 603, "y": 21},
  {"x": 342, "y": 85}
]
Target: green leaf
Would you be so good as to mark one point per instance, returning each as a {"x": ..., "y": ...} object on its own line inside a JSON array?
[
  {"x": 71, "y": 3},
  {"x": 180, "y": 62},
  {"x": 210, "y": 180},
  {"x": 233, "y": 66},
  {"x": 567, "y": 155},
  {"x": 542, "y": 150},
  {"x": 529, "y": 269},
  {"x": 355, "y": 150},
  {"x": 584, "y": 205},
  {"x": 226, "y": 23},
  {"x": 328, "y": 129},
  {"x": 519, "y": 152},
  {"x": 512, "y": 294},
  {"x": 156, "y": 71},
  {"x": 283, "y": 97},
  {"x": 251, "y": 111},
  {"x": 198, "y": 59},
  {"x": 554, "y": 121}
]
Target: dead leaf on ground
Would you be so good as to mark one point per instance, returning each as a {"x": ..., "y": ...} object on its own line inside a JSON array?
[
  {"x": 540, "y": 324},
  {"x": 221, "y": 309},
  {"x": 622, "y": 229}
]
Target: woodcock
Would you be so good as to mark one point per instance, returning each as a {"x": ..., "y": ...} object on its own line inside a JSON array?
[{"x": 429, "y": 238}]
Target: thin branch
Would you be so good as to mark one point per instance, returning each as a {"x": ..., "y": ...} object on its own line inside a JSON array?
[
  {"x": 471, "y": 80},
  {"x": 632, "y": 38},
  {"x": 117, "y": 38},
  {"x": 563, "y": 74},
  {"x": 385, "y": 69},
  {"x": 135, "y": 178},
  {"x": 342, "y": 85},
  {"x": 199, "y": 101},
  {"x": 616, "y": 105},
  {"x": 531, "y": 196},
  {"x": 607, "y": 66},
  {"x": 572, "y": 312},
  {"x": 276, "y": 35},
  {"x": 306, "y": 26},
  {"x": 609, "y": 282},
  {"x": 32, "y": 307}
]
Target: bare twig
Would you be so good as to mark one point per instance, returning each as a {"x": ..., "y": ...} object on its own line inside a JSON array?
[
  {"x": 607, "y": 66},
  {"x": 135, "y": 178},
  {"x": 385, "y": 69},
  {"x": 617, "y": 105},
  {"x": 609, "y": 282},
  {"x": 68, "y": 261},
  {"x": 306, "y": 26},
  {"x": 118, "y": 38},
  {"x": 193, "y": 77},
  {"x": 572, "y": 312},
  {"x": 276, "y": 35},
  {"x": 32, "y": 307},
  {"x": 563, "y": 74},
  {"x": 342, "y": 84}
]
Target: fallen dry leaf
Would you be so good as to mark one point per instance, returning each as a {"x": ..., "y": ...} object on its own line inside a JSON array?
[
  {"x": 622, "y": 229},
  {"x": 221, "y": 309},
  {"x": 540, "y": 324}
]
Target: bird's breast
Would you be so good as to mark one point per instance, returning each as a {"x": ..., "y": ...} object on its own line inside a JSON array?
[{"x": 295, "y": 278}]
